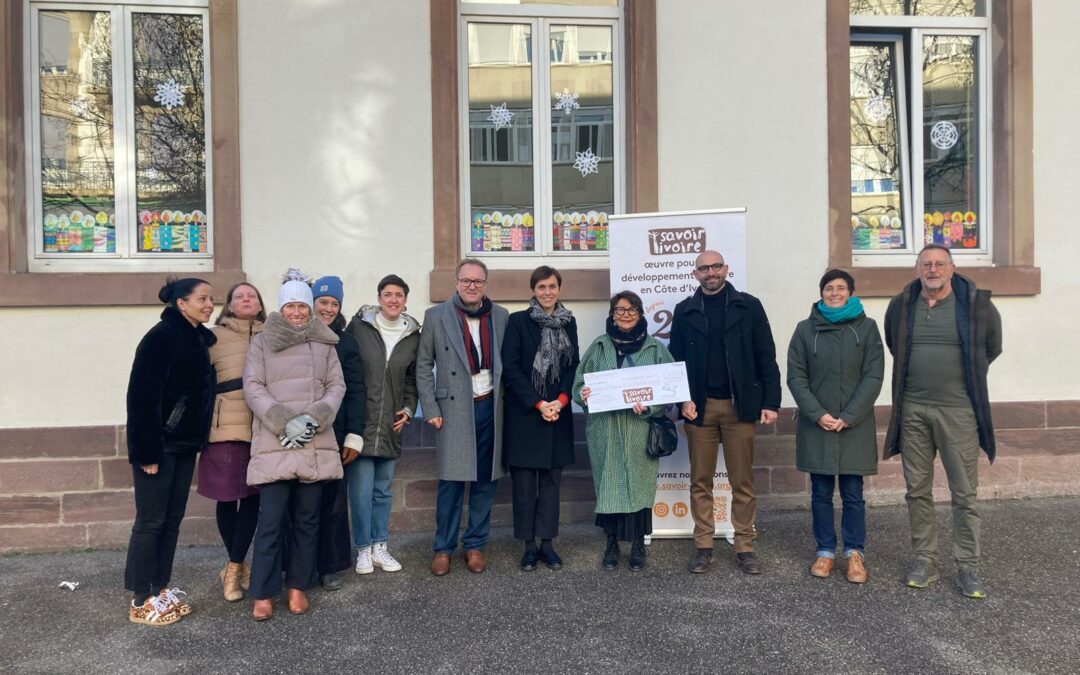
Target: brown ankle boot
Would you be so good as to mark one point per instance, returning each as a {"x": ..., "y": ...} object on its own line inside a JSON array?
[
  {"x": 245, "y": 577},
  {"x": 230, "y": 582},
  {"x": 264, "y": 609},
  {"x": 298, "y": 602}
]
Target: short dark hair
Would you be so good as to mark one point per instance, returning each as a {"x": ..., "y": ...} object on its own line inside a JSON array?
[
  {"x": 470, "y": 261},
  {"x": 833, "y": 275},
  {"x": 393, "y": 280},
  {"x": 934, "y": 247},
  {"x": 227, "y": 313},
  {"x": 179, "y": 289},
  {"x": 544, "y": 272},
  {"x": 633, "y": 298}
]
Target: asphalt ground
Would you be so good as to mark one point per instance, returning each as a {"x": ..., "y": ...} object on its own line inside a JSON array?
[{"x": 582, "y": 619}]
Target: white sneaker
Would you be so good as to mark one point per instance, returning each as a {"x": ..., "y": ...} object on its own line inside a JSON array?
[
  {"x": 382, "y": 559},
  {"x": 363, "y": 561}
]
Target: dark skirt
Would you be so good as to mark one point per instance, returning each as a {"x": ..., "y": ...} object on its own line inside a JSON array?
[
  {"x": 626, "y": 526},
  {"x": 223, "y": 471}
]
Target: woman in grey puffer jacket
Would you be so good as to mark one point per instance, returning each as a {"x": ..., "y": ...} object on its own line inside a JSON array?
[
  {"x": 388, "y": 339},
  {"x": 294, "y": 386}
]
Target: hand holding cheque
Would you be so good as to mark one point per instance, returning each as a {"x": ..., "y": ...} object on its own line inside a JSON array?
[{"x": 636, "y": 387}]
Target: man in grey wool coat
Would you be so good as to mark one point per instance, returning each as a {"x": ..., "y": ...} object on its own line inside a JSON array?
[{"x": 459, "y": 378}]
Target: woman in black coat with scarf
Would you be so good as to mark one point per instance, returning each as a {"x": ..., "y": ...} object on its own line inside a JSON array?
[
  {"x": 540, "y": 357},
  {"x": 170, "y": 400}
]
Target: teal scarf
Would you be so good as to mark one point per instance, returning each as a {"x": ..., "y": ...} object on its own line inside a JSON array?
[{"x": 852, "y": 309}]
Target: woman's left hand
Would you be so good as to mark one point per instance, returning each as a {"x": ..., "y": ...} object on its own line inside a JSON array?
[
  {"x": 840, "y": 425},
  {"x": 640, "y": 409}
]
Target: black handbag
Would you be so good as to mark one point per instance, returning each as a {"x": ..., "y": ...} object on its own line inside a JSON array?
[{"x": 663, "y": 438}]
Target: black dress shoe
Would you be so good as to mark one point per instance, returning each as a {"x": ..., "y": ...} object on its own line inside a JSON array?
[
  {"x": 550, "y": 558},
  {"x": 611, "y": 554},
  {"x": 749, "y": 563},
  {"x": 332, "y": 582},
  {"x": 701, "y": 560},
  {"x": 528, "y": 561},
  {"x": 637, "y": 556}
]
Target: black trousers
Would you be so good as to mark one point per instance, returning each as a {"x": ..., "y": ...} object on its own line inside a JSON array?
[
  {"x": 160, "y": 503},
  {"x": 236, "y": 523},
  {"x": 536, "y": 502},
  {"x": 282, "y": 504},
  {"x": 335, "y": 542}
]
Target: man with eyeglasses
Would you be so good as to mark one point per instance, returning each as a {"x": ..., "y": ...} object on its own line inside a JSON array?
[
  {"x": 943, "y": 334},
  {"x": 724, "y": 337},
  {"x": 459, "y": 380}
]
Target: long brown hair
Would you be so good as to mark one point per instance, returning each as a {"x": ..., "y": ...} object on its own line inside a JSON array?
[{"x": 227, "y": 313}]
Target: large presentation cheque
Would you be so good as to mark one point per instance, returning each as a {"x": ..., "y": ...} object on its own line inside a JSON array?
[{"x": 648, "y": 385}]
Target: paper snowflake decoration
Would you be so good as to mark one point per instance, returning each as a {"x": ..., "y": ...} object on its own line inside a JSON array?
[
  {"x": 500, "y": 116},
  {"x": 877, "y": 109},
  {"x": 80, "y": 107},
  {"x": 587, "y": 162},
  {"x": 169, "y": 94},
  {"x": 566, "y": 102},
  {"x": 944, "y": 135}
]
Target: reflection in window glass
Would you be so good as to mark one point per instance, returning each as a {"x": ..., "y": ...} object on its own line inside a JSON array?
[
  {"x": 582, "y": 137},
  {"x": 77, "y": 192},
  {"x": 919, "y": 7},
  {"x": 950, "y": 142},
  {"x": 876, "y": 146},
  {"x": 500, "y": 137},
  {"x": 579, "y": 3},
  {"x": 170, "y": 133}
]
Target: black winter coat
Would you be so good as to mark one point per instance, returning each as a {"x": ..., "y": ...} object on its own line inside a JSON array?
[
  {"x": 352, "y": 415},
  {"x": 979, "y": 325},
  {"x": 529, "y": 441},
  {"x": 170, "y": 395},
  {"x": 751, "y": 353}
]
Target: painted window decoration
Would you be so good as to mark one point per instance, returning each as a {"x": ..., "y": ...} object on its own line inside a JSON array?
[
  {"x": 78, "y": 194},
  {"x": 170, "y": 128},
  {"x": 498, "y": 231},
  {"x": 951, "y": 230},
  {"x": 580, "y": 231}
]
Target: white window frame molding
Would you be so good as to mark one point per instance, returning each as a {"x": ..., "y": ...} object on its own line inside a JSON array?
[
  {"x": 127, "y": 257},
  {"x": 540, "y": 18}
]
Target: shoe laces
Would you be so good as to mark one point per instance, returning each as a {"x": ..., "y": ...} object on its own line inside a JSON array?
[
  {"x": 161, "y": 605},
  {"x": 172, "y": 595}
]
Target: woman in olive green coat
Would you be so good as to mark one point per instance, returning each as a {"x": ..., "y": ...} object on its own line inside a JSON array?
[
  {"x": 835, "y": 368},
  {"x": 624, "y": 476}
]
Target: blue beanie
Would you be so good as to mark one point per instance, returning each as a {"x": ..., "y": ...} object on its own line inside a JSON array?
[{"x": 329, "y": 286}]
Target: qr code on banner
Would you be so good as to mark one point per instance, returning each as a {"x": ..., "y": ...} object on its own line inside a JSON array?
[{"x": 719, "y": 509}]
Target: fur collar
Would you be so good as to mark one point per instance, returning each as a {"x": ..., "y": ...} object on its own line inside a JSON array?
[
  {"x": 173, "y": 317},
  {"x": 280, "y": 334},
  {"x": 242, "y": 326}
]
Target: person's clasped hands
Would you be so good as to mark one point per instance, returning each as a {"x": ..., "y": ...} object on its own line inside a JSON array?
[{"x": 299, "y": 431}]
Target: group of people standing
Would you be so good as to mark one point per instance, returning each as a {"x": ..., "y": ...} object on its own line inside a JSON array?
[{"x": 299, "y": 418}]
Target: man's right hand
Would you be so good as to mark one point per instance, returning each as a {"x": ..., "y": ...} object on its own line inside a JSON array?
[
  {"x": 435, "y": 422},
  {"x": 689, "y": 410}
]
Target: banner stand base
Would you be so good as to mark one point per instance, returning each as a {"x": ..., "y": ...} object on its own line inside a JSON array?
[{"x": 729, "y": 535}]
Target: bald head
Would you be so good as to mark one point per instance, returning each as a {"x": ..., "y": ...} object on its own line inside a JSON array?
[
  {"x": 710, "y": 270},
  {"x": 708, "y": 258}
]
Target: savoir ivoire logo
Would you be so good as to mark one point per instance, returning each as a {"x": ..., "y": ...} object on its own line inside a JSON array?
[{"x": 676, "y": 240}]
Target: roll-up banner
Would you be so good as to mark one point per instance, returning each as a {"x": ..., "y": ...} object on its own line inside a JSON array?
[{"x": 653, "y": 254}]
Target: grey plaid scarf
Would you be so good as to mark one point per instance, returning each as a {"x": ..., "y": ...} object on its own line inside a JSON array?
[{"x": 554, "y": 351}]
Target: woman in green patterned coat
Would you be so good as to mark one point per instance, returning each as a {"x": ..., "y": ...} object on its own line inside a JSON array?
[{"x": 623, "y": 475}]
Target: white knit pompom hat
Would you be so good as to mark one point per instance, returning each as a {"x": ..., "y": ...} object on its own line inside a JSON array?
[{"x": 295, "y": 287}]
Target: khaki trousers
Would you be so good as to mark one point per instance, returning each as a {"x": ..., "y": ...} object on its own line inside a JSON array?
[
  {"x": 926, "y": 430},
  {"x": 720, "y": 424}
]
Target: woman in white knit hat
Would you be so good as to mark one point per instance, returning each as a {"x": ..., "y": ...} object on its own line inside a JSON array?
[{"x": 294, "y": 386}]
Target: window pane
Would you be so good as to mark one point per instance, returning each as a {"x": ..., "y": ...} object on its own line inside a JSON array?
[
  {"x": 500, "y": 137},
  {"x": 582, "y": 137},
  {"x": 950, "y": 142},
  {"x": 876, "y": 175},
  {"x": 77, "y": 193},
  {"x": 170, "y": 132},
  {"x": 919, "y": 7},
  {"x": 579, "y": 3}
]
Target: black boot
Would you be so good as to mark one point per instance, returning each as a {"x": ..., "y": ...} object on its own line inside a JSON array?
[
  {"x": 637, "y": 555},
  {"x": 611, "y": 554}
]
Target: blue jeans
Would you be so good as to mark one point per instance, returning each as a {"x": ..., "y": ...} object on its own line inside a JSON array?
[
  {"x": 370, "y": 499},
  {"x": 451, "y": 493},
  {"x": 852, "y": 518}
]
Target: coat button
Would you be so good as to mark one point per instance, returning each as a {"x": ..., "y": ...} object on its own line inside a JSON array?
[
  {"x": 453, "y": 372},
  {"x": 451, "y": 398}
]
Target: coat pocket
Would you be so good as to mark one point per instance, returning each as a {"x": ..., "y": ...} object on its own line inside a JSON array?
[
  {"x": 442, "y": 392},
  {"x": 177, "y": 413}
]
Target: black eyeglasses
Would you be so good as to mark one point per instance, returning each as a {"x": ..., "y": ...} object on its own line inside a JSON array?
[
  {"x": 625, "y": 311},
  {"x": 715, "y": 267},
  {"x": 473, "y": 283}
]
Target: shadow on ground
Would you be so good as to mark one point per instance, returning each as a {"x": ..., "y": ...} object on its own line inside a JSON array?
[{"x": 582, "y": 619}]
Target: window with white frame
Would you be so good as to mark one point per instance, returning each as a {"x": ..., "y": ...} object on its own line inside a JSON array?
[
  {"x": 920, "y": 121},
  {"x": 118, "y": 136},
  {"x": 542, "y": 115}
]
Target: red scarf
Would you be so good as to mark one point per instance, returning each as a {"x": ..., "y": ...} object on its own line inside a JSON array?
[{"x": 481, "y": 361}]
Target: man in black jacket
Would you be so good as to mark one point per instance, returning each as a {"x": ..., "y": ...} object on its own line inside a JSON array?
[
  {"x": 724, "y": 337},
  {"x": 943, "y": 333}
]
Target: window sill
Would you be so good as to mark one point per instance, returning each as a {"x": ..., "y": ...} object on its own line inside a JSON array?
[
  {"x": 885, "y": 282},
  {"x": 98, "y": 289},
  {"x": 513, "y": 285}
]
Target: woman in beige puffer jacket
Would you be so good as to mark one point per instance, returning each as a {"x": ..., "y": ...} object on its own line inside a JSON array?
[
  {"x": 223, "y": 464},
  {"x": 294, "y": 386}
]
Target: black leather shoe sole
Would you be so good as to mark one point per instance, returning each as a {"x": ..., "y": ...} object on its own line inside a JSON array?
[
  {"x": 553, "y": 562},
  {"x": 332, "y": 582},
  {"x": 637, "y": 567},
  {"x": 528, "y": 562},
  {"x": 609, "y": 565},
  {"x": 749, "y": 565}
]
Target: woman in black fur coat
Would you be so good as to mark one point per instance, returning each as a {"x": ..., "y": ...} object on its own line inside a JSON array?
[{"x": 170, "y": 402}]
